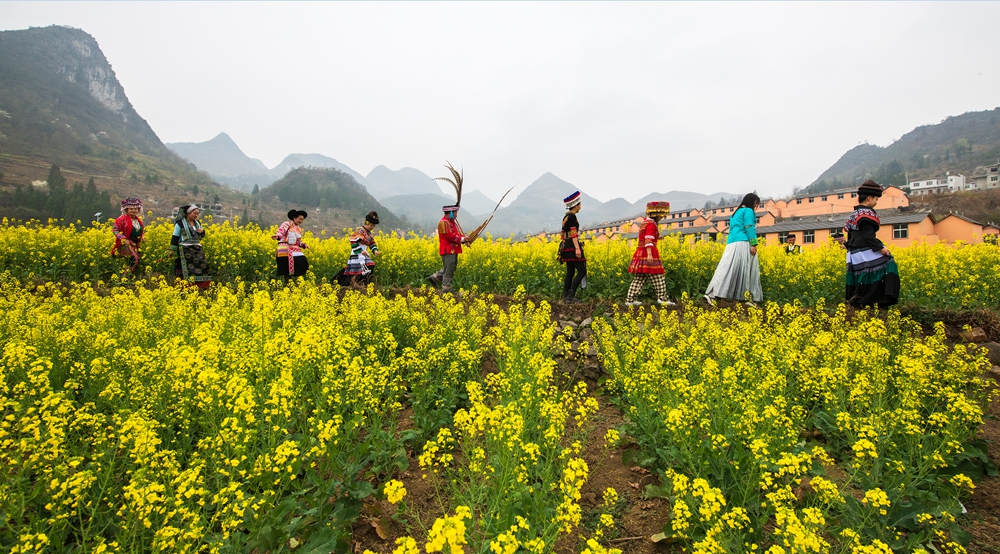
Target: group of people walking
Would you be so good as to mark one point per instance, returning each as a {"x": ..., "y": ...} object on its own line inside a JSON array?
[{"x": 872, "y": 277}]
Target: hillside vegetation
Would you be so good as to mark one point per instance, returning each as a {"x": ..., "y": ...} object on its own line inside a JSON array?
[
  {"x": 959, "y": 144},
  {"x": 982, "y": 205},
  {"x": 62, "y": 105},
  {"x": 333, "y": 199}
]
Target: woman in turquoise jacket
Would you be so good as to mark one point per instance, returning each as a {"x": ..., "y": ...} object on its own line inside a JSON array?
[{"x": 738, "y": 271}]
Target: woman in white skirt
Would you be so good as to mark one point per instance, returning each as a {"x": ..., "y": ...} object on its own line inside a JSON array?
[{"x": 738, "y": 271}]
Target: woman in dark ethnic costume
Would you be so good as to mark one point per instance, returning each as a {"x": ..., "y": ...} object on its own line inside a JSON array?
[
  {"x": 361, "y": 265},
  {"x": 129, "y": 233},
  {"x": 191, "y": 264},
  {"x": 872, "y": 275},
  {"x": 571, "y": 249},
  {"x": 646, "y": 265},
  {"x": 290, "y": 257}
]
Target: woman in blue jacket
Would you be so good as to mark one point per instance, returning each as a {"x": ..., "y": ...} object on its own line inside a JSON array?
[{"x": 738, "y": 271}]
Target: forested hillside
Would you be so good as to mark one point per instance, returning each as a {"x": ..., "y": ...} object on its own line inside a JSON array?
[
  {"x": 958, "y": 144},
  {"x": 332, "y": 198}
]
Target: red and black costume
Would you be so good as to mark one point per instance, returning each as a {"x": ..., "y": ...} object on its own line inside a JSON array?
[{"x": 571, "y": 250}]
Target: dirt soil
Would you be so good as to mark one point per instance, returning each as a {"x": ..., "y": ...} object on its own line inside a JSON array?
[{"x": 637, "y": 518}]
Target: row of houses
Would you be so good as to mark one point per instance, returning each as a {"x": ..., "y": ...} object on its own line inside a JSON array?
[{"x": 812, "y": 219}]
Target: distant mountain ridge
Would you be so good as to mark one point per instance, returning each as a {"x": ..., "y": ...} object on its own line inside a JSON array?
[
  {"x": 220, "y": 157},
  {"x": 540, "y": 207},
  {"x": 385, "y": 182},
  {"x": 958, "y": 144}
]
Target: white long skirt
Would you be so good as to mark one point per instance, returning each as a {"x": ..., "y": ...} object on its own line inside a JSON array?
[{"x": 738, "y": 272}]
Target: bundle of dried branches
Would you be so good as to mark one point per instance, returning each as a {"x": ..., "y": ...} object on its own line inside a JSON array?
[{"x": 475, "y": 232}]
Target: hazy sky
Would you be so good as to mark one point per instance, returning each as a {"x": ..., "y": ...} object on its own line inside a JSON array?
[{"x": 618, "y": 98}]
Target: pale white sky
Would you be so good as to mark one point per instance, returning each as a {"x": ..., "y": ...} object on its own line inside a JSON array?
[{"x": 618, "y": 98}]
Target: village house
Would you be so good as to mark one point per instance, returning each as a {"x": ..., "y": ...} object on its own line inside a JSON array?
[
  {"x": 899, "y": 228},
  {"x": 831, "y": 202},
  {"x": 986, "y": 177},
  {"x": 951, "y": 183},
  {"x": 611, "y": 230},
  {"x": 700, "y": 233},
  {"x": 697, "y": 220},
  {"x": 764, "y": 217}
]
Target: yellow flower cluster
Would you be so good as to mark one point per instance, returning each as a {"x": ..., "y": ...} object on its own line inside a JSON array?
[
  {"x": 394, "y": 491},
  {"x": 449, "y": 531}
]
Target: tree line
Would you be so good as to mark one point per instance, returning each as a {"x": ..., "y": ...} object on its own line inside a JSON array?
[{"x": 59, "y": 200}]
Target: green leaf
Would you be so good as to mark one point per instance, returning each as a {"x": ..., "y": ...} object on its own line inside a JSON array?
[
  {"x": 961, "y": 536},
  {"x": 655, "y": 491}
]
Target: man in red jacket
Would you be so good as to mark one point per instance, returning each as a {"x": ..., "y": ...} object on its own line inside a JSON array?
[{"x": 450, "y": 239}]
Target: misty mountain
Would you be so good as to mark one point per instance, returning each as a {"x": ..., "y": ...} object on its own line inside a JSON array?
[
  {"x": 220, "y": 157},
  {"x": 317, "y": 161},
  {"x": 384, "y": 182},
  {"x": 476, "y": 202},
  {"x": 412, "y": 194},
  {"x": 424, "y": 210},
  {"x": 540, "y": 207},
  {"x": 223, "y": 159},
  {"x": 330, "y": 194}
]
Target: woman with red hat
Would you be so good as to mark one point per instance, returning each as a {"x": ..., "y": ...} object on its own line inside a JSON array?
[
  {"x": 129, "y": 233},
  {"x": 646, "y": 265}
]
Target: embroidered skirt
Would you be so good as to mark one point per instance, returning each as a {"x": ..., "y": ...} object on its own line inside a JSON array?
[
  {"x": 191, "y": 264},
  {"x": 359, "y": 265},
  {"x": 738, "y": 272},
  {"x": 567, "y": 252},
  {"x": 641, "y": 265},
  {"x": 872, "y": 279}
]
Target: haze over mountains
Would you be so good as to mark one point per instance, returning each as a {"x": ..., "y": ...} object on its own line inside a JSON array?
[
  {"x": 412, "y": 194},
  {"x": 61, "y": 103}
]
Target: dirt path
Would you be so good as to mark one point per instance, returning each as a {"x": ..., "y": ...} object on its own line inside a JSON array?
[{"x": 638, "y": 518}]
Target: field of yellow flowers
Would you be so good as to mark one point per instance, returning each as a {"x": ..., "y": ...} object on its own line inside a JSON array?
[
  {"x": 258, "y": 417},
  {"x": 803, "y": 430},
  {"x": 937, "y": 276},
  {"x": 262, "y": 420}
]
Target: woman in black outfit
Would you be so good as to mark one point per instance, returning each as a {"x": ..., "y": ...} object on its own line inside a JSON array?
[{"x": 571, "y": 249}]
